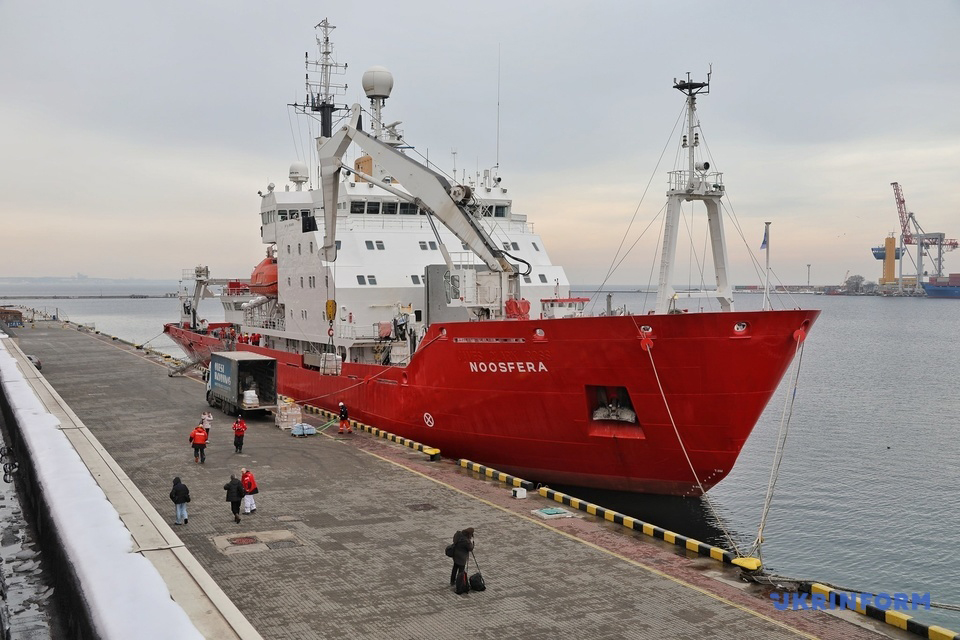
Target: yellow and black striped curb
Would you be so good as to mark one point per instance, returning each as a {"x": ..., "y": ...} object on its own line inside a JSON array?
[
  {"x": 891, "y": 617},
  {"x": 656, "y": 532},
  {"x": 432, "y": 452},
  {"x": 496, "y": 475}
]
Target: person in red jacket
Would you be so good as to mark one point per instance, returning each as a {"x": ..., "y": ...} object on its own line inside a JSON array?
[
  {"x": 198, "y": 438},
  {"x": 249, "y": 489},
  {"x": 239, "y": 428}
]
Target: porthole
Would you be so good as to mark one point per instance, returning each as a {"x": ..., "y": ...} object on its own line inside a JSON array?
[
  {"x": 740, "y": 327},
  {"x": 646, "y": 329}
]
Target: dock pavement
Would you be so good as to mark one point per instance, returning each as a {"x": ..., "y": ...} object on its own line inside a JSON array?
[{"x": 348, "y": 537}]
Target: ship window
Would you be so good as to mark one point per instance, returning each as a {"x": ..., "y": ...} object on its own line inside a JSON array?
[
  {"x": 338, "y": 245},
  {"x": 390, "y": 208},
  {"x": 356, "y": 206},
  {"x": 299, "y": 252},
  {"x": 506, "y": 246},
  {"x": 500, "y": 211},
  {"x": 369, "y": 244},
  {"x": 371, "y": 279},
  {"x": 515, "y": 246},
  {"x": 464, "y": 245},
  {"x": 418, "y": 315},
  {"x": 527, "y": 279},
  {"x": 283, "y": 214},
  {"x": 301, "y": 282},
  {"x": 408, "y": 209},
  {"x": 543, "y": 278},
  {"x": 423, "y": 245},
  {"x": 311, "y": 247},
  {"x": 305, "y": 213},
  {"x": 415, "y": 278},
  {"x": 288, "y": 282},
  {"x": 379, "y": 245},
  {"x": 288, "y": 248},
  {"x": 373, "y": 207},
  {"x": 361, "y": 280},
  {"x": 535, "y": 247},
  {"x": 433, "y": 245},
  {"x": 294, "y": 214}
]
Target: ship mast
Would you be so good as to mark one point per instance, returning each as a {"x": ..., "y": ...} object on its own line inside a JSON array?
[
  {"x": 696, "y": 182},
  {"x": 320, "y": 93}
]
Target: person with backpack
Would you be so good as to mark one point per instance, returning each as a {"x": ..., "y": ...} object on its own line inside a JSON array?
[{"x": 462, "y": 546}]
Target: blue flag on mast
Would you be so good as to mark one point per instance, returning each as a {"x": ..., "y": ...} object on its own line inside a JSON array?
[{"x": 766, "y": 232}]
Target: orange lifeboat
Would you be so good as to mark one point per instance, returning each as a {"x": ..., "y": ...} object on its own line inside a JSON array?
[{"x": 263, "y": 281}]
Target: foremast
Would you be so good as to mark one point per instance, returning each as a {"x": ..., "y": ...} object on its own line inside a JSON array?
[{"x": 695, "y": 182}]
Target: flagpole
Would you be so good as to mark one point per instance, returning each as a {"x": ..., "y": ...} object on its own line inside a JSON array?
[{"x": 766, "y": 281}]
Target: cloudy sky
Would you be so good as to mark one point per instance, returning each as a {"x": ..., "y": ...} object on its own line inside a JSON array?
[{"x": 135, "y": 136}]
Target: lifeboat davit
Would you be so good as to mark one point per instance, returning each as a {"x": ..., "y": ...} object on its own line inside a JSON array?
[{"x": 263, "y": 281}]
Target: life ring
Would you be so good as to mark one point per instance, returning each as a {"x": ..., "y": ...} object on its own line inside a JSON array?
[{"x": 330, "y": 332}]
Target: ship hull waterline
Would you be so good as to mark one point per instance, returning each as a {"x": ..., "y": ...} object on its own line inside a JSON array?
[{"x": 518, "y": 395}]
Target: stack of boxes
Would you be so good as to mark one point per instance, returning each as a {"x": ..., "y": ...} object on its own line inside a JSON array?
[{"x": 288, "y": 414}]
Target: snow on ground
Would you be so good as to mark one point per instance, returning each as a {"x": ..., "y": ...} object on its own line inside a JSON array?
[{"x": 125, "y": 593}]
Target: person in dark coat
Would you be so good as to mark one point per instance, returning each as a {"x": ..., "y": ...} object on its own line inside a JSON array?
[
  {"x": 180, "y": 495},
  {"x": 462, "y": 546},
  {"x": 344, "y": 420},
  {"x": 234, "y": 495}
]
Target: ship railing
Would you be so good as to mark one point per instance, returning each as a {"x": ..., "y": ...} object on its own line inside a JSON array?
[
  {"x": 380, "y": 221},
  {"x": 278, "y": 324},
  {"x": 696, "y": 181}
]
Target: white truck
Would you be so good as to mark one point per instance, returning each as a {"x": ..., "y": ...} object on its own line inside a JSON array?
[{"x": 242, "y": 381}]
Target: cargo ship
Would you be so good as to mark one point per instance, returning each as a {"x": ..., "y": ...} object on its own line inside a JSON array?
[
  {"x": 430, "y": 307},
  {"x": 942, "y": 286}
]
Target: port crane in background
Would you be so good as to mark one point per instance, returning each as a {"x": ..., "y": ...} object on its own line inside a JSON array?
[{"x": 934, "y": 245}]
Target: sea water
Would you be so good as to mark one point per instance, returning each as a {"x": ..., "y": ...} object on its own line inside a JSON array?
[{"x": 863, "y": 498}]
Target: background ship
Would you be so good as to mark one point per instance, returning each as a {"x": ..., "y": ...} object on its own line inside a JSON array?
[{"x": 481, "y": 350}]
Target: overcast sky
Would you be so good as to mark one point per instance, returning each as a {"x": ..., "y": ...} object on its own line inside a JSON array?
[{"x": 135, "y": 136}]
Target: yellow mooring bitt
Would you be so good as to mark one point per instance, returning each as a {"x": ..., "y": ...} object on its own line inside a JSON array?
[{"x": 750, "y": 564}]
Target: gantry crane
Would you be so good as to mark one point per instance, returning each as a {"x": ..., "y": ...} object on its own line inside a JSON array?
[{"x": 924, "y": 241}]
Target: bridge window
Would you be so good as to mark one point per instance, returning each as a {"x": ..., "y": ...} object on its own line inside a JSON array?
[
  {"x": 408, "y": 209},
  {"x": 527, "y": 279},
  {"x": 433, "y": 245},
  {"x": 543, "y": 278},
  {"x": 379, "y": 245},
  {"x": 535, "y": 247},
  {"x": 283, "y": 214},
  {"x": 338, "y": 245},
  {"x": 357, "y": 206},
  {"x": 415, "y": 279},
  {"x": 373, "y": 207},
  {"x": 371, "y": 279},
  {"x": 515, "y": 246},
  {"x": 361, "y": 280},
  {"x": 506, "y": 246},
  {"x": 500, "y": 211},
  {"x": 369, "y": 244},
  {"x": 423, "y": 245},
  {"x": 390, "y": 208}
]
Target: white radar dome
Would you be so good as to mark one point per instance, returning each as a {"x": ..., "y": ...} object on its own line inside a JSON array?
[
  {"x": 377, "y": 82},
  {"x": 299, "y": 173}
]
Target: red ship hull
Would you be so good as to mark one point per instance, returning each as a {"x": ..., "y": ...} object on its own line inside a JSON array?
[{"x": 520, "y": 395}]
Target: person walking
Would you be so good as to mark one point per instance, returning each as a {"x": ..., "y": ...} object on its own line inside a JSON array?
[
  {"x": 198, "y": 438},
  {"x": 239, "y": 428},
  {"x": 249, "y": 490},
  {"x": 206, "y": 419},
  {"x": 234, "y": 495},
  {"x": 462, "y": 546},
  {"x": 180, "y": 495},
  {"x": 344, "y": 420}
]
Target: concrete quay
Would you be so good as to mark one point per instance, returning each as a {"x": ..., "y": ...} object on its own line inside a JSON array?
[{"x": 347, "y": 540}]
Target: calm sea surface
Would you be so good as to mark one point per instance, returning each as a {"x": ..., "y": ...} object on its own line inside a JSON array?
[{"x": 863, "y": 498}]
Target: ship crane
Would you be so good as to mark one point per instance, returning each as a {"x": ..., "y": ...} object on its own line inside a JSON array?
[{"x": 912, "y": 233}]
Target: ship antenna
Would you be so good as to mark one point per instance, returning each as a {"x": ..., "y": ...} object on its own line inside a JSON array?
[
  {"x": 497, "y": 165},
  {"x": 692, "y": 140},
  {"x": 320, "y": 93}
]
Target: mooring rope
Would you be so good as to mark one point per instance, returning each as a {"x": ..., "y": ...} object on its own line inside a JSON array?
[
  {"x": 785, "y": 418},
  {"x": 703, "y": 492}
]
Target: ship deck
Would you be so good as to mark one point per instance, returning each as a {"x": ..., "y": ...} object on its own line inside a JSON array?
[{"x": 348, "y": 537}]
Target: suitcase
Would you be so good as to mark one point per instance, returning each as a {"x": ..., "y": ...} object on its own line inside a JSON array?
[
  {"x": 476, "y": 582},
  {"x": 463, "y": 583}
]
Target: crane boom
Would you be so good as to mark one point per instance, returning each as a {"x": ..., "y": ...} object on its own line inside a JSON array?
[
  {"x": 429, "y": 189},
  {"x": 904, "y": 214}
]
